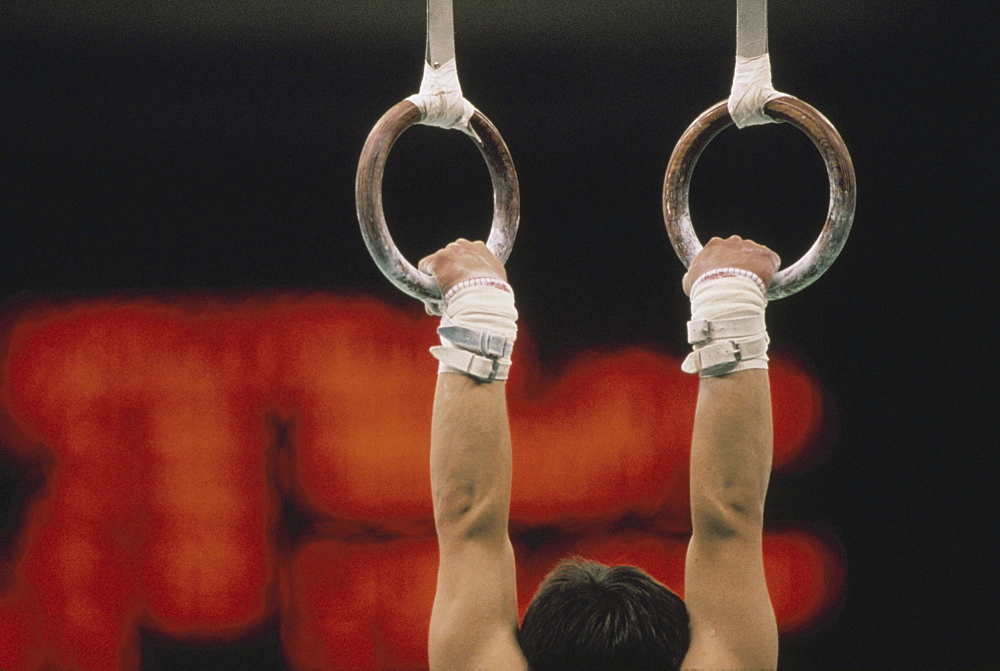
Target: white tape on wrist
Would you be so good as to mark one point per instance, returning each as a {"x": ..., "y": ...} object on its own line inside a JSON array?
[
  {"x": 440, "y": 98},
  {"x": 751, "y": 91},
  {"x": 727, "y": 325},
  {"x": 494, "y": 282},
  {"x": 478, "y": 329},
  {"x": 729, "y": 272}
]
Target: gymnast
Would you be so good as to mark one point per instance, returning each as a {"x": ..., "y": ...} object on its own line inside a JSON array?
[{"x": 586, "y": 615}]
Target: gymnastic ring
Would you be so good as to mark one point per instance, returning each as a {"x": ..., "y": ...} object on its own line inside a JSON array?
[
  {"x": 368, "y": 195},
  {"x": 839, "y": 168}
]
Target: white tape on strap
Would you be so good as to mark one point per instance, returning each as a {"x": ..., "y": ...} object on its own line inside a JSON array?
[
  {"x": 752, "y": 77},
  {"x": 440, "y": 98},
  {"x": 751, "y": 91}
]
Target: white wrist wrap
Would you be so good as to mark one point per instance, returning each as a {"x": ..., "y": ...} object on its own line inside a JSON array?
[
  {"x": 727, "y": 325},
  {"x": 478, "y": 330}
]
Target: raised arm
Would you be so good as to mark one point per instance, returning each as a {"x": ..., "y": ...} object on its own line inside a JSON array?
[
  {"x": 732, "y": 622},
  {"x": 474, "y": 621}
]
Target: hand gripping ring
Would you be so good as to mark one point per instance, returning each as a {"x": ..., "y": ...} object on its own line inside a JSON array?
[
  {"x": 839, "y": 168},
  {"x": 368, "y": 194}
]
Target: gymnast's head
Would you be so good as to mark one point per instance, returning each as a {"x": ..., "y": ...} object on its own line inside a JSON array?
[{"x": 586, "y": 615}]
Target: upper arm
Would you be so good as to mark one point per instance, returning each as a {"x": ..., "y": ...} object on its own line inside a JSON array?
[
  {"x": 474, "y": 621},
  {"x": 732, "y": 621}
]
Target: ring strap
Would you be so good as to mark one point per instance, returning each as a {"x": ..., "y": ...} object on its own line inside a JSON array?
[
  {"x": 703, "y": 330},
  {"x": 751, "y": 28},
  {"x": 715, "y": 358},
  {"x": 440, "y": 98},
  {"x": 752, "y": 87}
]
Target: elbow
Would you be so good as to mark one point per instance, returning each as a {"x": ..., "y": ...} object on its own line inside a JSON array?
[
  {"x": 466, "y": 514},
  {"x": 728, "y": 516}
]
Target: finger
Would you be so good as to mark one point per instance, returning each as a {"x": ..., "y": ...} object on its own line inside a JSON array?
[
  {"x": 773, "y": 257},
  {"x": 426, "y": 264}
]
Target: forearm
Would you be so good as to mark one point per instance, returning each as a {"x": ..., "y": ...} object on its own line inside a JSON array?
[
  {"x": 470, "y": 458},
  {"x": 731, "y": 454}
]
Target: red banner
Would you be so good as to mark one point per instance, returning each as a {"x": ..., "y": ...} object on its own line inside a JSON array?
[{"x": 179, "y": 434}]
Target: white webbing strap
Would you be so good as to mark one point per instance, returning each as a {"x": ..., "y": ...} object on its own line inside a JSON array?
[
  {"x": 752, "y": 78},
  {"x": 726, "y": 356},
  {"x": 704, "y": 330},
  {"x": 476, "y": 340},
  {"x": 462, "y": 361},
  {"x": 440, "y": 98}
]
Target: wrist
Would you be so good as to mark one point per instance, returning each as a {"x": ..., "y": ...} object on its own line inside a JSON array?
[
  {"x": 483, "y": 281},
  {"x": 478, "y": 329},
  {"x": 719, "y": 273},
  {"x": 727, "y": 328}
]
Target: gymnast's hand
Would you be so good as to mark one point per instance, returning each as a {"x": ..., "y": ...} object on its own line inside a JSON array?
[
  {"x": 733, "y": 252},
  {"x": 459, "y": 261}
]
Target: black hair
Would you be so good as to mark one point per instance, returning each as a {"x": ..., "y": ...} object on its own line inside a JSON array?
[{"x": 586, "y": 616}]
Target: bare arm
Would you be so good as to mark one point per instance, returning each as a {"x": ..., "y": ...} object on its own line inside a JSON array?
[
  {"x": 474, "y": 620},
  {"x": 732, "y": 622}
]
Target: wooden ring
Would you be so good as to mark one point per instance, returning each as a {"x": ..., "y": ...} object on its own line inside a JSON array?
[
  {"x": 839, "y": 168},
  {"x": 368, "y": 195}
]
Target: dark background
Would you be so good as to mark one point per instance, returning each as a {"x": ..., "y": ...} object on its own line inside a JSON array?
[{"x": 153, "y": 147}]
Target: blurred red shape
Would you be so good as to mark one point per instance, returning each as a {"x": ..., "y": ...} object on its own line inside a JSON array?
[{"x": 176, "y": 431}]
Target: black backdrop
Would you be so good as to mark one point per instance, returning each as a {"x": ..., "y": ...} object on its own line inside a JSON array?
[{"x": 170, "y": 147}]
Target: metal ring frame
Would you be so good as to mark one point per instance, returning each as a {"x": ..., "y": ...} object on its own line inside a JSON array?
[
  {"x": 368, "y": 194},
  {"x": 839, "y": 168}
]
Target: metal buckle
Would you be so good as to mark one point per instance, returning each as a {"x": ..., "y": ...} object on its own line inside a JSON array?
[
  {"x": 699, "y": 331},
  {"x": 492, "y": 345},
  {"x": 494, "y": 371}
]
